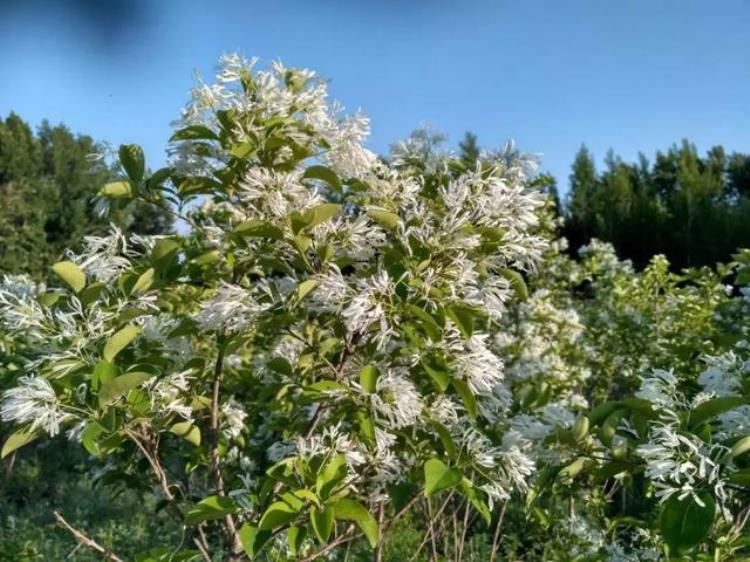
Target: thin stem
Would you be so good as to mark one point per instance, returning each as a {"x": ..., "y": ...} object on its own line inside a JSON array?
[
  {"x": 153, "y": 461},
  {"x": 235, "y": 546},
  {"x": 341, "y": 539},
  {"x": 429, "y": 531},
  {"x": 85, "y": 540},
  {"x": 496, "y": 538},
  {"x": 377, "y": 555},
  {"x": 463, "y": 531}
]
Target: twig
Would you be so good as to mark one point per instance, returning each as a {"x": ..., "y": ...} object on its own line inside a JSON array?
[
  {"x": 496, "y": 538},
  {"x": 377, "y": 555},
  {"x": 153, "y": 461},
  {"x": 202, "y": 542},
  {"x": 202, "y": 549},
  {"x": 463, "y": 531},
  {"x": 86, "y": 540},
  {"x": 429, "y": 531},
  {"x": 342, "y": 538},
  {"x": 235, "y": 546}
]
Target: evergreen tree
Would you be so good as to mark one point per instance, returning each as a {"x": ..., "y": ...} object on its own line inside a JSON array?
[
  {"x": 47, "y": 186},
  {"x": 468, "y": 150},
  {"x": 694, "y": 209}
]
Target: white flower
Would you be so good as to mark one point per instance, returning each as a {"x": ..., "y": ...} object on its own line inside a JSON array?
[
  {"x": 34, "y": 401},
  {"x": 369, "y": 307},
  {"x": 231, "y": 308},
  {"x": 680, "y": 464},
  {"x": 482, "y": 369},
  {"x": 104, "y": 257},
  {"x": 396, "y": 401},
  {"x": 660, "y": 388},
  {"x": 235, "y": 417}
]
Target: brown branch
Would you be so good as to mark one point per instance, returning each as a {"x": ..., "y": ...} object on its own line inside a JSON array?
[
  {"x": 85, "y": 540},
  {"x": 463, "y": 531},
  {"x": 496, "y": 537},
  {"x": 429, "y": 534},
  {"x": 341, "y": 539},
  {"x": 202, "y": 549},
  {"x": 235, "y": 545},
  {"x": 153, "y": 461},
  {"x": 377, "y": 555}
]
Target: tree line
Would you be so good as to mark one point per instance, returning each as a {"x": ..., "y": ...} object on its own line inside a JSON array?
[
  {"x": 48, "y": 180},
  {"x": 693, "y": 208}
]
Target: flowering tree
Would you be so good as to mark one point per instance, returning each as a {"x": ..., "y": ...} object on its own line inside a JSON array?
[{"x": 315, "y": 355}]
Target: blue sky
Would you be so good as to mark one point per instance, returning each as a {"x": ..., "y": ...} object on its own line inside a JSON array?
[{"x": 635, "y": 75}]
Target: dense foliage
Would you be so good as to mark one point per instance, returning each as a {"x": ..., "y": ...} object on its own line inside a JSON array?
[
  {"x": 356, "y": 357},
  {"x": 47, "y": 185},
  {"x": 694, "y": 209}
]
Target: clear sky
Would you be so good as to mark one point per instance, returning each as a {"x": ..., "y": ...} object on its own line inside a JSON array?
[{"x": 633, "y": 75}]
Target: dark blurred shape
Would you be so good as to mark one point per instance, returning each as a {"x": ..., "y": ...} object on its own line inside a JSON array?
[{"x": 107, "y": 25}]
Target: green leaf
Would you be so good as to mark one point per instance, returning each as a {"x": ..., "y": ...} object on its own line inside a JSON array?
[
  {"x": 322, "y": 523},
  {"x": 386, "y": 219},
  {"x": 253, "y": 539},
  {"x": 132, "y": 159},
  {"x": 467, "y": 397},
  {"x": 280, "y": 365},
  {"x": 243, "y": 150},
  {"x": 741, "y": 477},
  {"x": 119, "y": 341},
  {"x": 188, "y": 431},
  {"x": 195, "y": 185},
  {"x": 104, "y": 371},
  {"x": 438, "y": 476},
  {"x": 164, "y": 250},
  {"x": 210, "y": 508},
  {"x": 323, "y": 173},
  {"x": 741, "y": 447},
  {"x": 259, "y": 229},
  {"x": 351, "y": 510},
  {"x": 713, "y": 407},
  {"x": 305, "y": 288},
  {"x": 71, "y": 274},
  {"x": 516, "y": 282},
  {"x": 91, "y": 293},
  {"x": 367, "y": 428},
  {"x": 571, "y": 470},
  {"x": 684, "y": 523},
  {"x": 144, "y": 281},
  {"x": 368, "y": 378},
  {"x": 463, "y": 317},
  {"x": 156, "y": 179},
  {"x": 18, "y": 439},
  {"x": 117, "y": 189},
  {"x": 446, "y": 439},
  {"x": 321, "y": 213},
  {"x": 468, "y": 490},
  {"x": 334, "y": 472},
  {"x": 120, "y": 386},
  {"x": 194, "y": 132},
  {"x": 602, "y": 412},
  {"x": 580, "y": 428},
  {"x": 277, "y": 514},
  {"x": 295, "y": 538},
  {"x": 437, "y": 372}
]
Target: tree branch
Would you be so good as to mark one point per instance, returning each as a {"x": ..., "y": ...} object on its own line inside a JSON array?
[
  {"x": 85, "y": 540},
  {"x": 341, "y": 539},
  {"x": 153, "y": 461}
]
